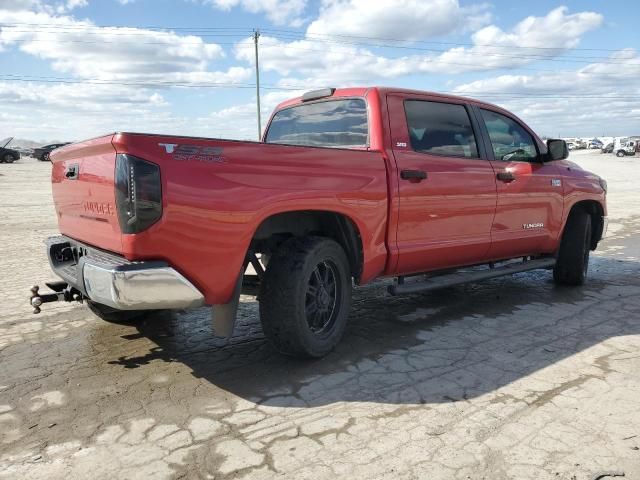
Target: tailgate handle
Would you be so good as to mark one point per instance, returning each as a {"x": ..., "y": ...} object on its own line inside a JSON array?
[{"x": 71, "y": 172}]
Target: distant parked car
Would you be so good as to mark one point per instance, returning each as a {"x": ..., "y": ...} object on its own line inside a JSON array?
[
  {"x": 608, "y": 148},
  {"x": 24, "y": 151},
  {"x": 594, "y": 144},
  {"x": 623, "y": 147},
  {"x": 571, "y": 145},
  {"x": 42, "y": 153},
  {"x": 8, "y": 155}
]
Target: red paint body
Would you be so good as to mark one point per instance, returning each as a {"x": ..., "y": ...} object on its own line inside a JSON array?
[{"x": 459, "y": 215}]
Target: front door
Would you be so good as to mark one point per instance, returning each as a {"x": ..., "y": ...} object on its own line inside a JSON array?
[
  {"x": 530, "y": 192},
  {"x": 447, "y": 192}
]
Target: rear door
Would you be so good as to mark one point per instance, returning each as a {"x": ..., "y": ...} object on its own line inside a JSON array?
[
  {"x": 530, "y": 192},
  {"x": 447, "y": 191}
]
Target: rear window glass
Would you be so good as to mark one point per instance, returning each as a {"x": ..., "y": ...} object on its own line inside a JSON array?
[
  {"x": 440, "y": 129},
  {"x": 336, "y": 123}
]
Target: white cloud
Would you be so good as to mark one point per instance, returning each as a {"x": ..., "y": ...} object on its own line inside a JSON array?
[
  {"x": 240, "y": 121},
  {"x": 60, "y": 6},
  {"x": 77, "y": 96},
  {"x": 342, "y": 63},
  {"x": 75, "y": 111},
  {"x": 111, "y": 78},
  {"x": 600, "y": 98},
  {"x": 533, "y": 37},
  {"x": 280, "y": 12},
  {"x": 395, "y": 19},
  {"x": 326, "y": 64},
  {"x": 86, "y": 51},
  {"x": 34, "y": 111},
  {"x": 19, "y": 4}
]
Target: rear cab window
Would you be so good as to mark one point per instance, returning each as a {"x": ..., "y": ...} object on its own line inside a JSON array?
[
  {"x": 339, "y": 123},
  {"x": 439, "y": 128}
]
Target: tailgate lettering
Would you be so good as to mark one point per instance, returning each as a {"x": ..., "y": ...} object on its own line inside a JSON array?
[{"x": 99, "y": 208}]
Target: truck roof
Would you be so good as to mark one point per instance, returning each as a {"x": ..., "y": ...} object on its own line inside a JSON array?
[{"x": 362, "y": 91}]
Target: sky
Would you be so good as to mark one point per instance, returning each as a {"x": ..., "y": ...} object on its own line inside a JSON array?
[{"x": 75, "y": 69}]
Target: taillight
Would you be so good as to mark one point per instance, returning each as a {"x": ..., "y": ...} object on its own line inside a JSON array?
[{"x": 138, "y": 193}]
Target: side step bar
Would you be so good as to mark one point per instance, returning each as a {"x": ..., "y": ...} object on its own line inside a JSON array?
[{"x": 458, "y": 278}]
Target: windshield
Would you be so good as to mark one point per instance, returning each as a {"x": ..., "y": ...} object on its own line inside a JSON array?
[
  {"x": 334, "y": 123},
  {"x": 5, "y": 141}
]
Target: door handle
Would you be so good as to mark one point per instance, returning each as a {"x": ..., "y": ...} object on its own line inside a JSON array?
[
  {"x": 506, "y": 176},
  {"x": 413, "y": 175}
]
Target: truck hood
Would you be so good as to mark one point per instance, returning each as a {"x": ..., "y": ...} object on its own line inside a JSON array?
[{"x": 5, "y": 141}]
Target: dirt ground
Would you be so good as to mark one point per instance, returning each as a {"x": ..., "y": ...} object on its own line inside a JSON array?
[{"x": 510, "y": 379}]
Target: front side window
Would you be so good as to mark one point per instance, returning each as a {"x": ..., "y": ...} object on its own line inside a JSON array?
[
  {"x": 334, "y": 123},
  {"x": 509, "y": 140},
  {"x": 440, "y": 129}
]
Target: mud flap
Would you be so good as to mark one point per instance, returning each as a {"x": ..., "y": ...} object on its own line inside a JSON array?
[{"x": 223, "y": 317}]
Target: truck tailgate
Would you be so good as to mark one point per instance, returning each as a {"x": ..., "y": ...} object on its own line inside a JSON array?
[{"x": 83, "y": 191}]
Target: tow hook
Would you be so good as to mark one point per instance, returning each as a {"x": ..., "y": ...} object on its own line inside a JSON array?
[{"x": 62, "y": 292}]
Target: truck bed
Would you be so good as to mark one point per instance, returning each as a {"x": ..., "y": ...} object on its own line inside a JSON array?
[{"x": 215, "y": 195}]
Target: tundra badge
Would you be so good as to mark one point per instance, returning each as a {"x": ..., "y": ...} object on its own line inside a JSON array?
[{"x": 529, "y": 226}]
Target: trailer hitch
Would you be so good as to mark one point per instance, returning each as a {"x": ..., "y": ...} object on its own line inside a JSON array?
[{"x": 62, "y": 292}]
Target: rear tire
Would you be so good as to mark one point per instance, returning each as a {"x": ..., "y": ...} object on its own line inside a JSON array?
[
  {"x": 305, "y": 296},
  {"x": 620, "y": 153},
  {"x": 573, "y": 257},
  {"x": 112, "y": 315}
]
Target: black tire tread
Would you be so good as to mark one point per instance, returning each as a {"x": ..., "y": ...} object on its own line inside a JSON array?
[
  {"x": 570, "y": 268},
  {"x": 280, "y": 289}
]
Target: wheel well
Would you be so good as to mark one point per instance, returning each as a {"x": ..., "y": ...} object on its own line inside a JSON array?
[
  {"x": 595, "y": 210},
  {"x": 278, "y": 228}
]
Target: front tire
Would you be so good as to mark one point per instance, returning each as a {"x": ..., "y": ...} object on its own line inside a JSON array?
[
  {"x": 112, "y": 315},
  {"x": 620, "y": 153},
  {"x": 305, "y": 296},
  {"x": 573, "y": 257},
  {"x": 8, "y": 158}
]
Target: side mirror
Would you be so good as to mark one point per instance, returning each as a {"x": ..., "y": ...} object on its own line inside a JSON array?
[{"x": 557, "y": 149}]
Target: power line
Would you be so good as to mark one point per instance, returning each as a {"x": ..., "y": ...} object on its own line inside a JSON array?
[
  {"x": 241, "y": 36},
  {"x": 288, "y": 34},
  {"x": 565, "y": 59},
  {"x": 484, "y": 94},
  {"x": 298, "y": 33},
  {"x": 150, "y": 84},
  {"x": 559, "y": 57},
  {"x": 430, "y": 42}
]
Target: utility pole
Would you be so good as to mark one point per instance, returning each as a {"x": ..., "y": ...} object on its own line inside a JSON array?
[{"x": 256, "y": 36}]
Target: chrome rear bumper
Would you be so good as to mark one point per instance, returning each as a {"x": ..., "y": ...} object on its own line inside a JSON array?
[{"x": 119, "y": 283}]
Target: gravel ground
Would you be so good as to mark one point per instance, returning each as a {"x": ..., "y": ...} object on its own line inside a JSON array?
[{"x": 510, "y": 379}]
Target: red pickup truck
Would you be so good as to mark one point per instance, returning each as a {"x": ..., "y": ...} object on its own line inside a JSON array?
[{"x": 347, "y": 186}]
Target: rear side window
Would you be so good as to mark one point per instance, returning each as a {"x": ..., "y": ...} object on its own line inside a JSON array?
[
  {"x": 440, "y": 129},
  {"x": 509, "y": 140},
  {"x": 334, "y": 123}
]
